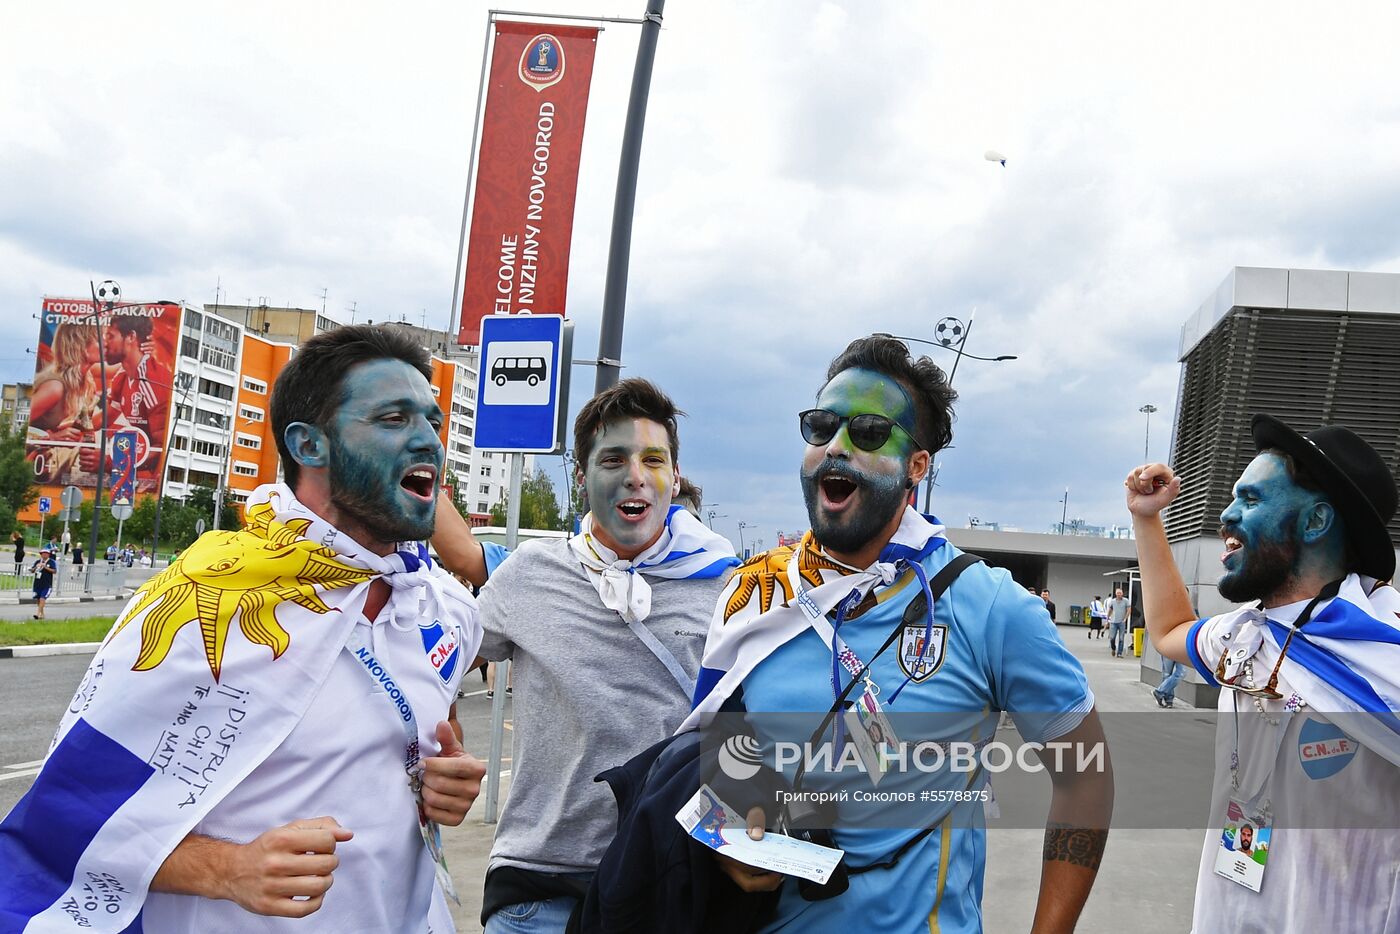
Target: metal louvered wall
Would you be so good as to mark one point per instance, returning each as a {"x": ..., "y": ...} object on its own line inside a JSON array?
[{"x": 1308, "y": 368}]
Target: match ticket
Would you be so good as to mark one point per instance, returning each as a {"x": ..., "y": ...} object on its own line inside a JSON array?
[{"x": 709, "y": 820}]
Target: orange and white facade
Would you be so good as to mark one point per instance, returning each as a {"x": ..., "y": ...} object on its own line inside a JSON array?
[{"x": 220, "y": 426}]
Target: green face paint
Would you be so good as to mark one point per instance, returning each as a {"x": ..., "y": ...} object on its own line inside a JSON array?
[
  {"x": 851, "y": 494},
  {"x": 385, "y": 454},
  {"x": 629, "y": 478}
]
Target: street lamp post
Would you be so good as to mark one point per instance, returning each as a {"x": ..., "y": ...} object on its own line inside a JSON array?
[
  {"x": 234, "y": 422},
  {"x": 711, "y": 516},
  {"x": 1147, "y": 432},
  {"x": 162, "y": 459},
  {"x": 742, "y": 525},
  {"x": 955, "y": 344},
  {"x": 1064, "y": 510}
]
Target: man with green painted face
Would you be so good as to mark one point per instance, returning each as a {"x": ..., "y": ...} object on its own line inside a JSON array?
[
  {"x": 1307, "y": 763},
  {"x": 799, "y": 625},
  {"x": 604, "y": 633}
]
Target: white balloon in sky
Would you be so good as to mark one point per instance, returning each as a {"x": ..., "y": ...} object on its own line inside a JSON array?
[{"x": 991, "y": 155}]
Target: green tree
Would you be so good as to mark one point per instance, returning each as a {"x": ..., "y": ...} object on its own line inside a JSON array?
[
  {"x": 539, "y": 507},
  {"x": 201, "y": 500},
  {"x": 16, "y": 478}
]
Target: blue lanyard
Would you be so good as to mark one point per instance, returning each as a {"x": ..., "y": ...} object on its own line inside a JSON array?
[{"x": 840, "y": 648}]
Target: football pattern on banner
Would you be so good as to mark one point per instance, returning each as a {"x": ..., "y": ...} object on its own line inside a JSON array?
[
  {"x": 527, "y": 173},
  {"x": 138, "y": 343}
]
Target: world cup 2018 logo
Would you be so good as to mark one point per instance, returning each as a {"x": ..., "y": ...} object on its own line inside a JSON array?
[{"x": 542, "y": 62}]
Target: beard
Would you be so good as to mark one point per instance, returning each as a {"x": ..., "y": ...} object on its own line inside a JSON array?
[
  {"x": 359, "y": 492},
  {"x": 882, "y": 498},
  {"x": 1265, "y": 569}
]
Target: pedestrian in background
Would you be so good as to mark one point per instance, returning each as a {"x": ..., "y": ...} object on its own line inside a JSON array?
[
  {"x": 1172, "y": 672},
  {"x": 44, "y": 570},
  {"x": 1097, "y": 611},
  {"x": 17, "y": 540},
  {"x": 1049, "y": 604},
  {"x": 1118, "y": 609}
]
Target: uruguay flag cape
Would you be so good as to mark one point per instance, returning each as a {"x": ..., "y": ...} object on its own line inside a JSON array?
[
  {"x": 779, "y": 594},
  {"x": 210, "y": 666},
  {"x": 1345, "y": 660}
]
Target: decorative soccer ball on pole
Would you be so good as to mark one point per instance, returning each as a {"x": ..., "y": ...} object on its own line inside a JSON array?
[
  {"x": 108, "y": 292},
  {"x": 949, "y": 331}
]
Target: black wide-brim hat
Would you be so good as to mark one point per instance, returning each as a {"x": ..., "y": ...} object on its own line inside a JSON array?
[{"x": 1355, "y": 478}]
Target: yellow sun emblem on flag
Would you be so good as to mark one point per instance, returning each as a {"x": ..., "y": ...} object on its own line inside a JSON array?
[{"x": 247, "y": 574}]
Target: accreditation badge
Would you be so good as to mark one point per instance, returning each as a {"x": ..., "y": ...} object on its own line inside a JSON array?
[
  {"x": 431, "y": 831},
  {"x": 871, "y": 733},
  {"x": 1243, "y": 852}
]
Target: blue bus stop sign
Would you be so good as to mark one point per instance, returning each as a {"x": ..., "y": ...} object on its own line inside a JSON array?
[
  {"x": 522, "y": 394},
  {"x": 45, "y": 505}
]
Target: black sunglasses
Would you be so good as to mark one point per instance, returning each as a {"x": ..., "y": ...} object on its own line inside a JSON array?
[{"x": 868, "y": 432}]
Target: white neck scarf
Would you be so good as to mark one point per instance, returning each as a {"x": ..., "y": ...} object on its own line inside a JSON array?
[{"x": 687, "y": 548}]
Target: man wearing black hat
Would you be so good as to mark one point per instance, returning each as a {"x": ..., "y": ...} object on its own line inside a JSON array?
[{"x": 1308, "y": 746}]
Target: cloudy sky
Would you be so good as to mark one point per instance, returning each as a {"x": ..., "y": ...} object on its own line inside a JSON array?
[{"x": 811, "y": 172}]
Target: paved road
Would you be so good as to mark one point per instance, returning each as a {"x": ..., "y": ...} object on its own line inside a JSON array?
[
  {"x": 103, "y": 607},
  {"x": 1148, "y": 874}
]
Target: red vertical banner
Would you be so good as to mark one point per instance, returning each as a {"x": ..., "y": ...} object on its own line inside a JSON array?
[{"x": 527, "y": 172}]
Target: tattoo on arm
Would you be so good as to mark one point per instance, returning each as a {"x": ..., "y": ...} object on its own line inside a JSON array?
[{"x": 1079, "y": 846}]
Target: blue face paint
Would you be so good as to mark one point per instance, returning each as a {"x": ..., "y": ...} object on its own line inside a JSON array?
[
  {"x": 852, "y": 495},
  {"x": 629, "y": 478},
  {"x": 1261, "y": 529},
  {"x": 385, "y": 455}
]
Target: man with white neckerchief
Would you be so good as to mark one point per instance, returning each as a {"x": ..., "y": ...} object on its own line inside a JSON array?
[
  {"x": 604, "y": 632},
  {"x": 1304, "y": 809}
]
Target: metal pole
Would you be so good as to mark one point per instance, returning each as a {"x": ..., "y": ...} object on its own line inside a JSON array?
[
  {"x": 498, "y": 700},
  {"x": 101, "y": 434},
  {"x": 928, "y": 485},
  {"x": 961, "y": 344},
  {"x": 1064, "y": 512},
  {"x": 223, "y": 473},
  {"x": 624, "y": 201},
  {"x": 471, "y": 164},
  {"x": 163, "y": 461}
]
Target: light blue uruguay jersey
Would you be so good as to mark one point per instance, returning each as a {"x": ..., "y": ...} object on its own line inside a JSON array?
[{"x": 1000, "y": 652}]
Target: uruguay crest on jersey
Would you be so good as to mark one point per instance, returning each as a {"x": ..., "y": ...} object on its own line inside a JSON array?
[
  {"x": 442, "y": 648},
  {"x": 920, "y": 657}
]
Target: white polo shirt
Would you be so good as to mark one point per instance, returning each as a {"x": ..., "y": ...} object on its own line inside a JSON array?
[
  {"x": 343, "y": 760},
  {"x": 1334, "y": 856}
]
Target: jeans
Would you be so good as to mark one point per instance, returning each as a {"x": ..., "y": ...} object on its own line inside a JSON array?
[
  {"x": 1173, "y": 672},
  {"x": 550, "y": 916},
  {"x": 1117, "y": 637}
]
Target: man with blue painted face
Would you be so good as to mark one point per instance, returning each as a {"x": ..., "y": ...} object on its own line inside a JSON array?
[
  {"x": 273, "y": 712},
  {"x": 1307, "y": 771},
  {"x": 604, "y": 632},
  {"x": 848, "y": 607}
]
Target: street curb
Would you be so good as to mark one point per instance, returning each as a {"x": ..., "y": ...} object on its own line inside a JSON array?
[
  {"x": 61, "y": 648},
  {"x": 60, "y": 601}
]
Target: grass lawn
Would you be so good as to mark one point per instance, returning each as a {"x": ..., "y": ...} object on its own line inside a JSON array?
[{"x": 50, "y": 631}]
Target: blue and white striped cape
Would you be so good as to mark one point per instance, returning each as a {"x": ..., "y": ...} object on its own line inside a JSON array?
[
  {"x": 761, "y": 609},
  {"x": 1345, "y": 660},
  {"x": 141, "y": 756}
]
